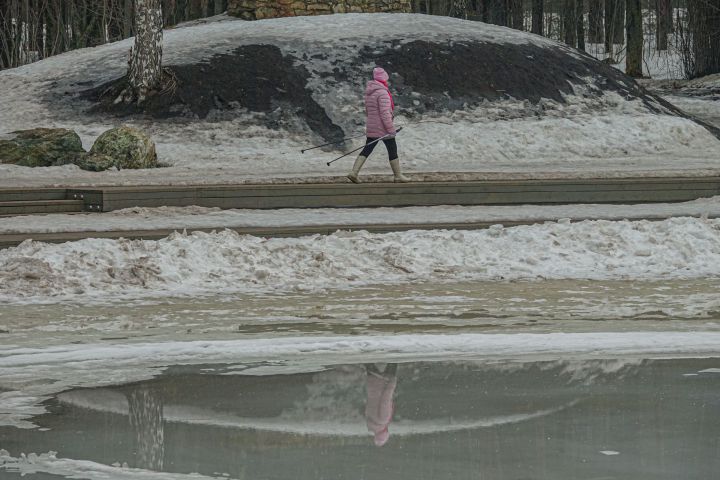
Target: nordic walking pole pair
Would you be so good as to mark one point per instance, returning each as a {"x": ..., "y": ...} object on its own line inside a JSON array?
[
  {"x": 331, "y": 143},
  {"x": 360, "y": 148}
]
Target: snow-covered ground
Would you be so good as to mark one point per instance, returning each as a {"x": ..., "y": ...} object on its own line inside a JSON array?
[
  {"x": 582, "y": 135},
  {"x": 227, "y": 262},
  {"x": 179, "y": 218}
]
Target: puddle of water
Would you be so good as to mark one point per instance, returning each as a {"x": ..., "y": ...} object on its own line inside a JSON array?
[{"x": 566, "y": 419}]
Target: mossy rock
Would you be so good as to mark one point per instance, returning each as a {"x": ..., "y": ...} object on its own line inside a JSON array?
[
  {"x": 95, "y": 162},
  {"x": 126, "y": 146},
  {"x": 41, "y": 147}
]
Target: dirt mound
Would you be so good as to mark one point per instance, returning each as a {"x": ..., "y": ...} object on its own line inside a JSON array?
[
  {"x": 322, "y": 84},
  {"x": 257, "y": 78}
]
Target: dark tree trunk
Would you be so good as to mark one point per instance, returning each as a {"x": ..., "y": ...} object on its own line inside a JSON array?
[
  {"x": 219, "y": 7},
  {"x": 663, "y": 16},
  {"x": 538, "y": 12},
  {"x": 517, "y": 14},
  {"x": 633, "y": 59},
  {"x": 595, "y": 22},
  {"x": 498, "y": 12},
  {"x": 569, "y": 11},
  {"x": 580, "y": 23},
  {"x": 127, "y": 18},
  {"x": 609, "y": 24},
  {"x": 619, "y": 19},
  {"x": 704, "y": 24}
]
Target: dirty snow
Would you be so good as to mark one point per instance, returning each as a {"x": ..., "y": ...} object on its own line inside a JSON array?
[
  {"x": 179, "y": 218},
  {"x": 228, "y": 262},
  {"x": 507, "y": 136}
]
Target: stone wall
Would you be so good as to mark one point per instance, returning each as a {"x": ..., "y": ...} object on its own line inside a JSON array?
[{"x": 259, "y": 9}]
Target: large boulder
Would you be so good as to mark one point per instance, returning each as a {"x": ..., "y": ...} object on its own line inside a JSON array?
[
  {"x": 122, "y": 147},
  {"x": 41, "y": 147}
]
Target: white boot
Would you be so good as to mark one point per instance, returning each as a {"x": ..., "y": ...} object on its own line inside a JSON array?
[
  {"x": 353, "y": 175},
  {"x": 399, "y": 177}
]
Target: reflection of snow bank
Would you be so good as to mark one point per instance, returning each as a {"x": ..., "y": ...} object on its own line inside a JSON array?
[
  {"x": 44, "y": 372},
  {"x": 84, "y": 469},
  {"x": 112, "y": 402},
  {"x": 226, "y": 261}
]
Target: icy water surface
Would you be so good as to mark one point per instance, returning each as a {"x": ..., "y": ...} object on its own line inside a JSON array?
[
  {"x": 468, "y": 419},
  {"x": 536, "y": 306}
]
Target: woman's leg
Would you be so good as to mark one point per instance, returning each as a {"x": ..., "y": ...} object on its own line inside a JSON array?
[
  {"x": 360, "y": 160},
  {"x": 369, "y": 147},
  {"x": 391, "y": 146}
]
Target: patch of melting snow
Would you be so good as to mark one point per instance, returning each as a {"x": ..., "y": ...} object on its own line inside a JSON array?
[
  {"x": 49, "y": 463},
  {"x": 225, "y": 262},
  {"x": 609, "y": 452},
  {"x": 710, "y": 370}
]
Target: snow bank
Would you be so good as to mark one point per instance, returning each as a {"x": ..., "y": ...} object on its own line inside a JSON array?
[{"x": 224, "y": 262}]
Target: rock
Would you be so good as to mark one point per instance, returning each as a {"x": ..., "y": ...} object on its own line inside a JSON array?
[
  {"x": 95, "y": 162},
  {"x": 126, "y": 146},
  {"x": 41, "y": 147}
]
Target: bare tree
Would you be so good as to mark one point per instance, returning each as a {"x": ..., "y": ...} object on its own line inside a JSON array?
[
  {"x": 569, "y": 23},
  {"x": 580, "y": 24},
  {"x": 704, "y": 26},
  {"x": 145, "y": 71},
  {"x": 633, "y": 58},
  {"x": 538, "y": 12},
  {"x": 595, "y": 22},
  {"x": 663, "y": 16},
  {"x": 614, "y": 22},
  {"x": 516, "y": 14}
]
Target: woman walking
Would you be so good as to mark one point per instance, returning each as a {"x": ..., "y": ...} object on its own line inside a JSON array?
[{"x": 379, "y": 107}]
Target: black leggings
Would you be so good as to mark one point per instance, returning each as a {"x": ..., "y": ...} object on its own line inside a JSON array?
[{"x": 390, "y": 144}]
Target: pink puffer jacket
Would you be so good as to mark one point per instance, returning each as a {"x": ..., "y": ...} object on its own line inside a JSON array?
[{"x": 378, "y": 106}]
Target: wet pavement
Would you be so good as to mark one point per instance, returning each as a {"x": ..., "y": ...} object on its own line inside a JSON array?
[{"x": 565, "y": 419}]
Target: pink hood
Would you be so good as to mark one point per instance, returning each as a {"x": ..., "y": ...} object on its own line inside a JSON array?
[{"x": 380, "y": 74}]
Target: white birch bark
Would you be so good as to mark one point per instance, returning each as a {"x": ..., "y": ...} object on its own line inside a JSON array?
[{"x": 145, "y": 70}]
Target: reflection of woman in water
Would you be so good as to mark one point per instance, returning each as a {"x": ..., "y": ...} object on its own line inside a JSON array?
[{"x": 380, "y": 407}]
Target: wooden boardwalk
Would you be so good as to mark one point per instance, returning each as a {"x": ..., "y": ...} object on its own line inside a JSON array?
[
  {"x": 339, "y": 195},
  {"x": 491, "y": 192}
]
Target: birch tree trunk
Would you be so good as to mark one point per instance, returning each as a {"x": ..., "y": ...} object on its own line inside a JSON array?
[
  {"x": 145, "y": 70},
  {"x": 633, "y": 59},
  {"x": 147, "y": 420}
]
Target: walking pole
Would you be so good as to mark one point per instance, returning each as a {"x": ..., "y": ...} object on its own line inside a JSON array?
[
  {"x": 360, "y": 148},
  {"x": 331, "y": 143}
]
